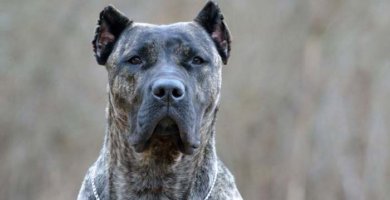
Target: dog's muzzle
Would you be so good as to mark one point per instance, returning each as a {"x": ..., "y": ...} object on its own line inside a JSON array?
[{"x": 167, "y": 111}]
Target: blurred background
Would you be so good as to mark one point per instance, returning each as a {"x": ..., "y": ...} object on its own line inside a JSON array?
[{"x": 305, "y": 110}]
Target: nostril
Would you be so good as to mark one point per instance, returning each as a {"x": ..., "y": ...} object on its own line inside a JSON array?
[
  {"x": 165, "y": 89},
  {"x": 159, "y": 92},
  {"x": 177, "y": 93}
]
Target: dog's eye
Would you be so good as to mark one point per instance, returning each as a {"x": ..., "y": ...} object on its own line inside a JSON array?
[
  {"x": 135, "y": 60},
  {"x": 197, "y": 60}
]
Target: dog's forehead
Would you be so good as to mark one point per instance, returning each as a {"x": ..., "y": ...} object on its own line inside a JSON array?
[
  {"x": 183, "y": 31},
  {"x": 169, "y": 29}
]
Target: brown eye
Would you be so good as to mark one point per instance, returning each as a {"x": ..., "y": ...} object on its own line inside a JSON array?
[
  {"x": 197, "y": 60},
  {"x": 135, "y": 60}
]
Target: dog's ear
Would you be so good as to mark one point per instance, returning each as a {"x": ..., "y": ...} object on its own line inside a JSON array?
[
  {"x": 110, "y": 25},
  {"x": 211, "y": 19}
]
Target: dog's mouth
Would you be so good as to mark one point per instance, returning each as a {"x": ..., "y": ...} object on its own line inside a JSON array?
[
  {"x": 167, "y": 130},
  {"x": 166, "y": 127},
  {"x": 166, "y": 133}
]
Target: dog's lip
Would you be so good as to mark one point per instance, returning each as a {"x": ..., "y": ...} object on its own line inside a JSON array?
[
  {"x": 141, "y": 139},
  {"x": 185, "y": 141},
  {"x": 166, "y": 126}
]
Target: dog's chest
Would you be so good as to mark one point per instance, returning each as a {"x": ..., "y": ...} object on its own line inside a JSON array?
[{"x": 151, "y": 182}]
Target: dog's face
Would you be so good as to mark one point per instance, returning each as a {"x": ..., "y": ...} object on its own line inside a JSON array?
[{"x": 164, "y": 80}]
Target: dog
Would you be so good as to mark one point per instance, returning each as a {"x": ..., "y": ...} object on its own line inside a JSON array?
[{"x": 164, "y": 84}]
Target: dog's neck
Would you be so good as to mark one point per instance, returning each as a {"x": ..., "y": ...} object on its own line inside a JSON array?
[{"x": 161, "y": 172}]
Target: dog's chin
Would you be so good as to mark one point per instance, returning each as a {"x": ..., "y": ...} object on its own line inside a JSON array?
[{"x": 166, "y": 133}]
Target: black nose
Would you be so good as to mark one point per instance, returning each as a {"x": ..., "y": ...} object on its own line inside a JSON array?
[{"x": 165, "y": 89}]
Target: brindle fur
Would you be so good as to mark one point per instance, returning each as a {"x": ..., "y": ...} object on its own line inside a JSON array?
[{"x": 159, "y": 170}]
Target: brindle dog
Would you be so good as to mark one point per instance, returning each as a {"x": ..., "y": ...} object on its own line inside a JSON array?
[{"x": 164, "y": 85}]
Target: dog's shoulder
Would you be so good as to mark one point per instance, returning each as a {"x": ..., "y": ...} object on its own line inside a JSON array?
[
  {"x": 86, "y": 192},
  {"x": 225, "y": 187},
  {"x": 96, "y": 174}
]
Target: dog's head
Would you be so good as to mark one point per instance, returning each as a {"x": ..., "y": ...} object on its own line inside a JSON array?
[{"x": 164, "y": 80}]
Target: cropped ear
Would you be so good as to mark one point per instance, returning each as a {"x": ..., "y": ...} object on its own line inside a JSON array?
[
  {"x": 211, "y": 19},
  {"x": 110, "y": 25}
]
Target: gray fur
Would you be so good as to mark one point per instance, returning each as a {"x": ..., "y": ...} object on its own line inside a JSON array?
[{"x": 135, "y": 162}]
